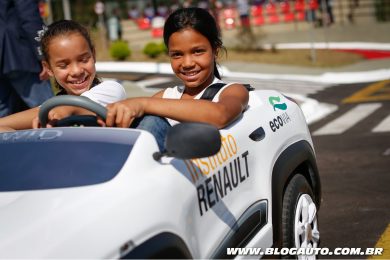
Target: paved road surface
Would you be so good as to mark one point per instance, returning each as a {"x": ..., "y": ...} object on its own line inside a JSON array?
[{"x": 353, "y": 153}]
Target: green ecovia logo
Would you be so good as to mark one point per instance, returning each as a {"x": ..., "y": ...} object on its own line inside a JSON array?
[{"x": 275, "y": 102}]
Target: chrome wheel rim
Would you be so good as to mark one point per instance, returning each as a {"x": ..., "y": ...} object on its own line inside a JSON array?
[{"x": 307, "y": 235}]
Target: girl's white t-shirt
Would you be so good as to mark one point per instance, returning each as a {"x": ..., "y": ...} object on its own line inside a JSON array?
[
  {"x": 176, "y": 92},
  {"x": 106, "y": 92}
]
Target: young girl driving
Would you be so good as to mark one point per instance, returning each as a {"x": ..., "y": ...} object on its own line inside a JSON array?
[
  {"x": 69, "y": 57},
  {"x": 194, "y": 42}
]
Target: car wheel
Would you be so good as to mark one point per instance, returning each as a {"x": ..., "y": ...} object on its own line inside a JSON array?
[{"x": 299, "y": 217}]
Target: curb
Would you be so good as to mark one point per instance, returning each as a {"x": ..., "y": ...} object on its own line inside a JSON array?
[{"x": 332, "y": 45}]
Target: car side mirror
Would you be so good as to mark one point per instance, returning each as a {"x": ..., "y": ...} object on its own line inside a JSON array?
[{"x": 191, "y": 140}]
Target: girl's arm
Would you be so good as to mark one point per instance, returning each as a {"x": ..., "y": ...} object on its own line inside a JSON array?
[
  {"x": 6, "y": 129},
  {"x": 232, "y": 101},
  {"x": 21, "y": 120},
  {"x": 29, "y": 118}
]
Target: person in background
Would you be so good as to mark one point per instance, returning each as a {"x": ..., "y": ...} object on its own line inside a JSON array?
[
  {"x": 243, "y": 9},
  {"x": 352, "y": 5},
  {"x": 23, "y": 81},
  {"x": 327, "y": 5},
  {"x": 149, "y": 11},
  {"x": 114, "y": 26},
  {"x": 162, "y": 10},
  {"x": 134, "y": 13}
]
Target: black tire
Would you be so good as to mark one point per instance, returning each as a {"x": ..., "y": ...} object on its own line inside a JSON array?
[{"x": 298, "y": 189}]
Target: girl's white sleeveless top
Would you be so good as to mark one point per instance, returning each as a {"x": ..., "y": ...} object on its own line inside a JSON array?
[{"x": 176, "y": 92}]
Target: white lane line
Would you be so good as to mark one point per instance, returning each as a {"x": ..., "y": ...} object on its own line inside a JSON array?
[
  {"x": 383, "y": 126},
  {"x": 349, "y": 119},
  {"x": 153, "y": 82}
]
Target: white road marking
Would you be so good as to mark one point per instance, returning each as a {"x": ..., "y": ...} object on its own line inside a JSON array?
[
  {"x": 153, "y": 82},
  {"x": 349, "y": 119},
  {"x": 284, "y": 86},
  {"x": 383, "y": 126}
]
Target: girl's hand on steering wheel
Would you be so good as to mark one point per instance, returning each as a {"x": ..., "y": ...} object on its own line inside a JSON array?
[
  {"x": 54, "y": 115},
  {"x": 123, "y": 113}
]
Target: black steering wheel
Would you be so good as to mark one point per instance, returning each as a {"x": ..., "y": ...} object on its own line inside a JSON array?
[{"x": 76, "y": 120}]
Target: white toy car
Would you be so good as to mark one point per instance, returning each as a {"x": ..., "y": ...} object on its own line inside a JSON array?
[{"x": 90, "y": 192}]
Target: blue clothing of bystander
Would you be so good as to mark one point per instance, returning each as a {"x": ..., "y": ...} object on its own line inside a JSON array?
[{"x": 20, "y": 65}]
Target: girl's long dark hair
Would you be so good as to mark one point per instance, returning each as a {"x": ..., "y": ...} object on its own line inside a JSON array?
[
  {"x": 199, "y": 20},
  {"x": 60, "y": 28}
]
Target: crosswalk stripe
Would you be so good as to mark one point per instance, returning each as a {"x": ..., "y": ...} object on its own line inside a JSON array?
[
  {"x": 383, "y": 126},
  {"x": 349, "y": 119},
  {"x": 286, "y": 86}
]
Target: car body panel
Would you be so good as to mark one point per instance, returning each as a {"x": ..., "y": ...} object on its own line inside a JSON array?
[{"x": 201, "y": 201}]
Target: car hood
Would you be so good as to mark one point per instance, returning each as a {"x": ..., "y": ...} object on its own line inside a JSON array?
[
  {"x": 73, "y": 220},
  {"x": 68, "y": 222}
]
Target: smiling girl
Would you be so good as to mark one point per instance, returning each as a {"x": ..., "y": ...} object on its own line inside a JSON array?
[
  {"x": 69, "y": 57},
  {"x": 194, "y": 42}
]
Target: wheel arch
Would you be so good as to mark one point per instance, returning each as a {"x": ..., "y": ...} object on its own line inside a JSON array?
[
  {"x": 162, "y": 246},
  {"x": 297, "y": 158}
]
